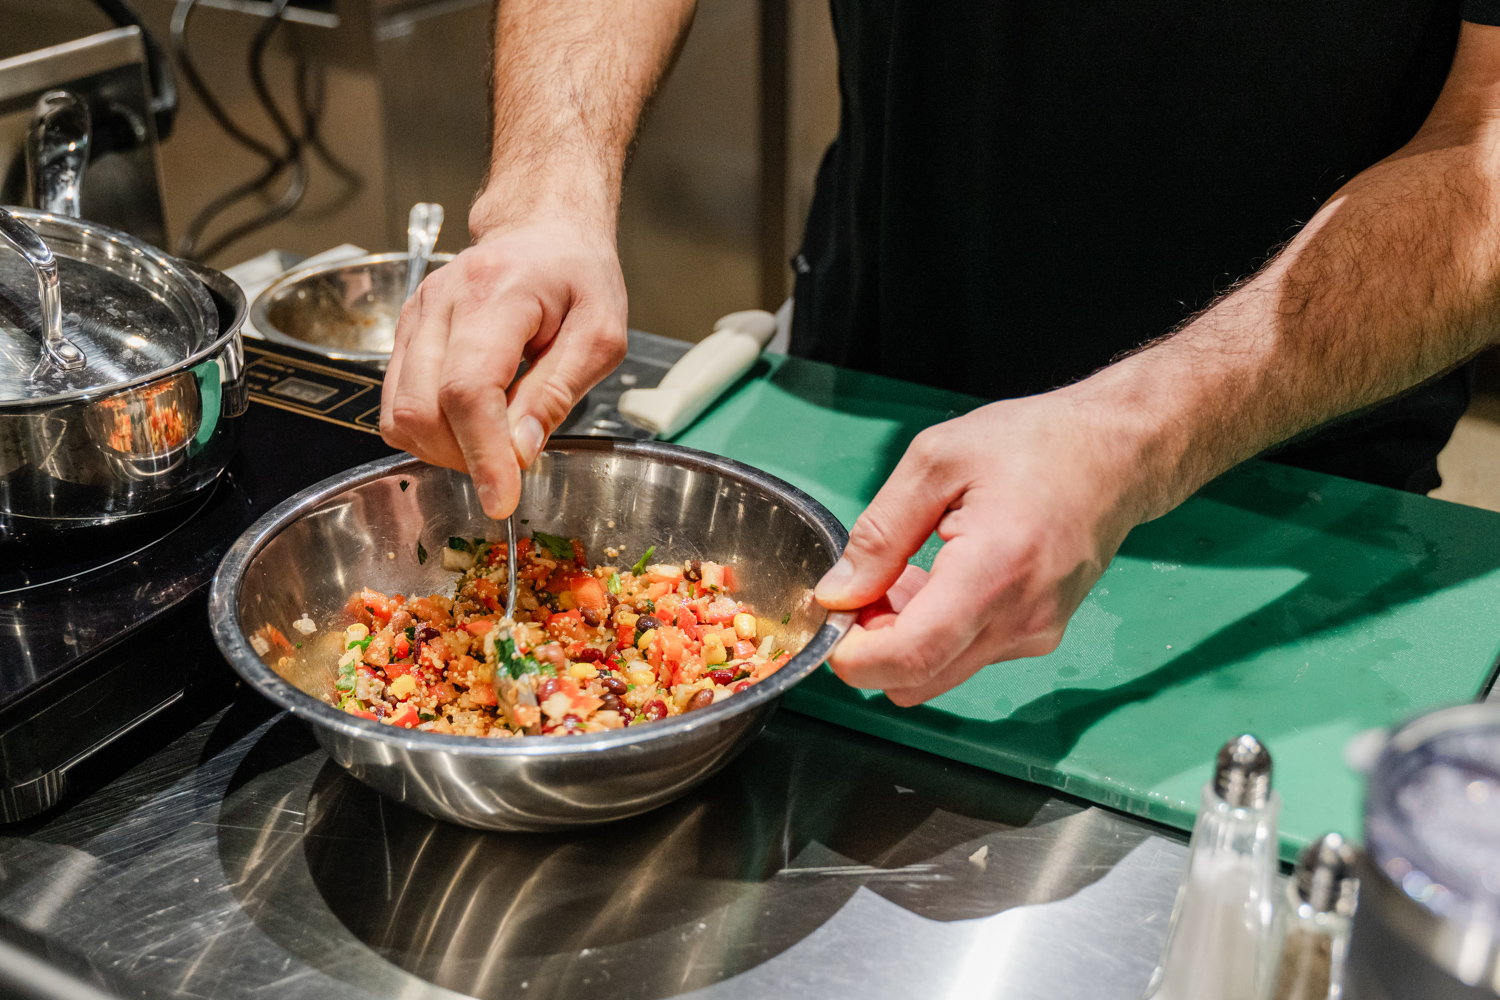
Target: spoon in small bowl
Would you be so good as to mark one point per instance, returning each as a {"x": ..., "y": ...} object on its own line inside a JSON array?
[{"x": 422, "y": 228}]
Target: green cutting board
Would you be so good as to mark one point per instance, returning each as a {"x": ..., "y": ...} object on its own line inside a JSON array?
[{"x": 1300, "y": 607}]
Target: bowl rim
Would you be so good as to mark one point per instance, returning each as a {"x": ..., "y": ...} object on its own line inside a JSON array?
[
  {"x": 223, "y": 602},
  {"x": 260, "y": 308}
]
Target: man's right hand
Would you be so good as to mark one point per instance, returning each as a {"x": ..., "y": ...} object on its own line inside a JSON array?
[{"x": 549, "y": 291}]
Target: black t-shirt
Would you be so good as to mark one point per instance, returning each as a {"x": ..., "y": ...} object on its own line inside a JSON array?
[{"x": 1021, "y": 190}]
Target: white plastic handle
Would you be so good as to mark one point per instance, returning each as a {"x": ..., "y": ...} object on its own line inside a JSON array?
[{"x": 701, "y": 375}]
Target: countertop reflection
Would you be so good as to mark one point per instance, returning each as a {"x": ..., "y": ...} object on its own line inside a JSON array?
[{"x": 822, "y": 863}]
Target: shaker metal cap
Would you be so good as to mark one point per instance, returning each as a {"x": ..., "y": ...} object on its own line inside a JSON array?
[
  {"x": 1325, "y": 876},
  {"x": 1242, "y": 776}
]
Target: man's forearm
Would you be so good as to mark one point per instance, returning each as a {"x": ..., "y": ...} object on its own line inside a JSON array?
[
  {"x": 1392, "y": 282},
  {"x": 571, "y": 79}
]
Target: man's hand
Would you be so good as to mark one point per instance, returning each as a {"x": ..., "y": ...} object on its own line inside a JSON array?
[
  {"x": 550, "y": 292},
  {"x": 1393, "y": 281},
  {"x": 1031, "y": 505},
  {"x": 542, "y": 281}
]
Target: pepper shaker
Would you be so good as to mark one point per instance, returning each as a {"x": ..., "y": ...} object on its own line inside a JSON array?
[
  {"x": 1320, "y": 901},
  {"x": 1220, "y": 942}
]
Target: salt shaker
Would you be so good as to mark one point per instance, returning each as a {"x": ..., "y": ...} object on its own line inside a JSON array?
[
  {"x": 1319, "y": 911},
  {"x": 1220, "y": 944}
]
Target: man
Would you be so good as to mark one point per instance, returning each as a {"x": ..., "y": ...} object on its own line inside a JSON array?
[{"x": 1019, "y": 194}]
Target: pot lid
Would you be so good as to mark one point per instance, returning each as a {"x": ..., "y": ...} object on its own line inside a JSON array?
[{"x": 127, "y": 310}]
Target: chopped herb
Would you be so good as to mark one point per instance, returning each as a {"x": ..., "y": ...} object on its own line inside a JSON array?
[
  {"x": 459, "y": 544},
  {"x": 786, "y": 618},
  {"x": 513, "y": 660},
  {"x": 363, "y": 644},
  {"x": 548, "y": 670},
  {"x": 614, "y": 583},
  {"x": 648, "y": 606},
  {"x": 525, "y": 520},
  {"x": 421, "y": 554},
  {"x": 629, "y": 687},
  {"x": 411, "y": 633},
  {"x": 404, "y": 485},
  {"x": 299, "y": 645},
  {"x": 640, "y": 567},
  {"x": 426, "y": 716},
  {"x": 477, "y": 543},
  {"x": 559, "y": 546},
  {"x": 777, "y": 653},
  {"x": 345, "y": 682}
]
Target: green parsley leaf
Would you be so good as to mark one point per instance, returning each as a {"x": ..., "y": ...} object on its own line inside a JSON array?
[
  {"x": 640, "y": 567},
  {"x": 299, "y": 645},
  {"x": 559, "y": 546},
  {"x": 614, "y": 583},
  {"x": 421, "y": 554},
  {"x": 512, "y": 660},
  {"x": 345, "y": 680},
  {"x": 458, "y": 544},
  {"x": 363, "y": 645},
  {"x": 648, "y": 606},
  {"x": 411, "y": 633},
  {"x": 404, "y": 485},
  {"x": 426, "y": 716},
  {"x": 786, "y": 618}
]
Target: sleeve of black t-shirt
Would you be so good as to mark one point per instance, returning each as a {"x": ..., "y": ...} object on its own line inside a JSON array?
[{"x": 1481, "y": 11}]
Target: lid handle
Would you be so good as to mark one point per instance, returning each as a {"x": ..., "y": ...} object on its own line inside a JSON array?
[
  {"x": 57, "y": 150},
  {"x": 58, "y": 349}
]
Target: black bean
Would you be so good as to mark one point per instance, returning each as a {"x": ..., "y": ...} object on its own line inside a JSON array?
[
  {"x": 694, "y": 571},
  {"x": 615, "y": 685},
  {"x": 546, "y": 689},
  {"x": 591, "y": 618},
  {"x": 702, "y": 699},
  {"x": 611, "y": 703},
  {"x": 645, "y": 622},
  {"x": 614, "y": 602}
]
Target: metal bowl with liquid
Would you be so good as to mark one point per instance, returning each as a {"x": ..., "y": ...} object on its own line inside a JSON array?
[
  {"x": 364, "y": 528},
  {"x": 347, "y": 309}
]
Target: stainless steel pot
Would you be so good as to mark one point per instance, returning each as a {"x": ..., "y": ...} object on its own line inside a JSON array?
[
  {"x": 363, "y": 528},
  {"x": 147, "y": 419},
  {"x": 121, "y": 370}
]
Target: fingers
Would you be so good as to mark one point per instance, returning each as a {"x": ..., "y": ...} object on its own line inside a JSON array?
[
  {"x": 894, "y": 526},
  {"x": 483, "y": 351},
  {"x": 418, "y": 423},
  {"x": 882, "y": 613},
  {"x": 939, "y": 621},
  {"x": 587, "y": 348}
]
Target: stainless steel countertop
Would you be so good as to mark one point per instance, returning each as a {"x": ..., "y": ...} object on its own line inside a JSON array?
[{"x": 239, "y": 861}]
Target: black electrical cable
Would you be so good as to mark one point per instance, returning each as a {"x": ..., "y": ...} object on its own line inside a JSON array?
[
  {"x": 309, "y": 105},
  {"x": 158, "y": 66}
]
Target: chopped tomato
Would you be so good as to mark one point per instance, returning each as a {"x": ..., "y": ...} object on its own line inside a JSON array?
[
  {"x": 589, "y": 592},
  {"x": 488, "y": 592},
  {"x": 402, "y": 647},
  {"x": 427, "y": 610},
  {"x": 361, "y": 713},
  {"x": 377, "y": 604},
  {"x": 658, "y": 590},
  {"x": 568, "y": 624},
  {"x": 744, "y": 648},
  {"x": 664, "y": 574},
  {"x": 673, "y": 643},
  {"x": 561, "y": 579},
  {"x": 407, "y": 718},
  {"x": 482, "y": 693},
  {"x": 712, "y": 577},
  {"x": 726, "y": 574},
  {"x": 479, "y": 626},
  {"x": 496, "y": 554},
  {"x": 625, "y": 636}
]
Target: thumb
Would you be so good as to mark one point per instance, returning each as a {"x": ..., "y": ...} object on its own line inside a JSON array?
[
  {"x": 585, "y": 350},
  {"x": 889, "y": 532}
]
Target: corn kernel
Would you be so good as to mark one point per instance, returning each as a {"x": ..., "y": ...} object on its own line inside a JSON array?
[
  {"x": 641, "y": 678},
  {"x": 582, "y": 671},
  {"x": 645, "y": 638},
  {"x": 713, "y": 650},
  {"x": 403, "y": 686},
  {"x": 744, "y": 625}
]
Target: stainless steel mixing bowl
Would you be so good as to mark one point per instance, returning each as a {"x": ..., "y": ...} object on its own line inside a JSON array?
[
  {"x": 363, "y": 528},
  {"x": 347, "y": 309}
]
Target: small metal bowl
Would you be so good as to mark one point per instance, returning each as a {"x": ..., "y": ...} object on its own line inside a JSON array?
[
  {"x": 383, "y": 525},
  {"x": 347, "y": 309}
]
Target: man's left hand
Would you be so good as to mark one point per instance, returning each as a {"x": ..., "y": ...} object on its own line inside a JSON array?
[{"x": 1031, "y": 497}]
